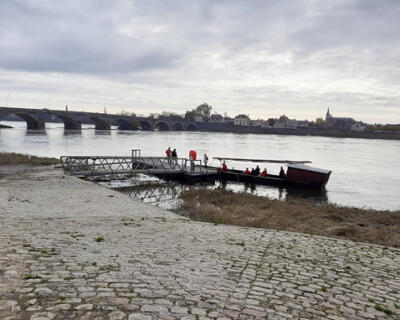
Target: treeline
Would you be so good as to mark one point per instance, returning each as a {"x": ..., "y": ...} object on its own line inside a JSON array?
[{"x": 203, "y": 111}]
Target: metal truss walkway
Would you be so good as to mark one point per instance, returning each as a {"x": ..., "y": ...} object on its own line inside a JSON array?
[{"x": 163, "y": 167}]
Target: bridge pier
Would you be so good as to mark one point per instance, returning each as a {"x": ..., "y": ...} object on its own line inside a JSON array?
[
  {"x": 76, "y": 125},
  {"x": 36, "y": 125},
  {"x": 125, "y": 124},
  {"x": 70, "y": 123},
  {"x": 101, "y": 124}
]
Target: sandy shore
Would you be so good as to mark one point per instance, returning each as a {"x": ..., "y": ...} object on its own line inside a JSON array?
[{"x": 71, "y": 249}]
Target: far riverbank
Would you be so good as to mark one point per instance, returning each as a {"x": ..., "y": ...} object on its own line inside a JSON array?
[{"x": 317, "y": 132}]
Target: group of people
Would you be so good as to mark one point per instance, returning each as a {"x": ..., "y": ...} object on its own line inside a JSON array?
[
  {"x": 256, "y": 172},
  {"x": 171, "y": 155}
]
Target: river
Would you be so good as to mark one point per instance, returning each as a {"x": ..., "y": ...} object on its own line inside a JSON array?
[{"x": 365, "y": 173}]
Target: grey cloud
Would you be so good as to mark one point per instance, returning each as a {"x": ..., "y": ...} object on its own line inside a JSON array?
[
  {"x": 86, "y": 37},
  {"x": 290, "y": 54}
]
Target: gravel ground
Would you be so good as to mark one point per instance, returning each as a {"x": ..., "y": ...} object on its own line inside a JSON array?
[{"x": 71, "y": 249}]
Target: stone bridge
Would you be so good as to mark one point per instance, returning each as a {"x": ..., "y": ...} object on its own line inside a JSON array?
[{"x": 36, "y": 119}]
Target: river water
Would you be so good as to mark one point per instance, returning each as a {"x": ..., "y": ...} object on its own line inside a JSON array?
[{"x": 365, "y": 173}]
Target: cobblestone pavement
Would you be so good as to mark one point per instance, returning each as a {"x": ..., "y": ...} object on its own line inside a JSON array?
[{"x": 70, "y": 249}]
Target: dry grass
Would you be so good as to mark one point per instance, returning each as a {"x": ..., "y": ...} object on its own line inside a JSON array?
[
  {"x": 300, "y": 215},
  {"x": 7, "y": 158}
]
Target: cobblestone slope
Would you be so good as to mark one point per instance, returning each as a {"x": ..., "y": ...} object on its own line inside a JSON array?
[{"x": 70, "y": 249}]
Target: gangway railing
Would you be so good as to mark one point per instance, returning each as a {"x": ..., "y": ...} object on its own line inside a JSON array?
[{"x": 112, "y": 165}]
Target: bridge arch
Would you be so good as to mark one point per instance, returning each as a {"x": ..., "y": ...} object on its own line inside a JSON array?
[
  {"x": 32, "y": 122},
  {"x": 162, "y": 126},
  {"x": 192, "y": 126},
  {"x": 70, "y": 123},
  {"x": 101, "y": 124},
  {"x": 145, "y": 125},
  {"x": 177, "y": 126}
]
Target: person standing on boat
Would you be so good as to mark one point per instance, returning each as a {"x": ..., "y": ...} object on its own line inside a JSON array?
[
  {"x": 168, "y": 152},
  {"x": 224, "y": 167},
  {"x": 205, "y": 160},
  {"x": 264, "y": 173},
  {"x": 257, "y": 171},
  {"x": 247, "y": 172},
  {"x": 282, "y": 173}
]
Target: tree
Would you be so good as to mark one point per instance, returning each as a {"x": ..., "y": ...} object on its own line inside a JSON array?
[
  {"x": 204, "y": 110},
  {"x": 190, "y": 115},
  {"x": 271, "y": 122}
]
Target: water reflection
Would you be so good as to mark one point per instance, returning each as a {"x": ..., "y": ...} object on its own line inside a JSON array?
[
  {"x": 102, "y": 132},
  {"x": 167, "y": 194},
  {"x": 35, "y": 132},
  {"x": 72, "y": 132}
]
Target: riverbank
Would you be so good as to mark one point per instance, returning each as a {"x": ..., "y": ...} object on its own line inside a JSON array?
[
  {"x": 71, "y": 249},
  {"x": 11, "y": 158},
  {"x": 295, "y": 215},
  {"x": 318, "y": 132}
]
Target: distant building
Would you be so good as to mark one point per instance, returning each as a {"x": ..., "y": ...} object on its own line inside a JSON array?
[
  {"x": 303, "y": 124},
  {"x": 285, "y": 122},
  {"x": 338, "y": 123},
  {"x": 359, "y": 127},
  {"x": 229, "y": 120},
  {"x": 259, "y": 123},
  {"x": 216, "y": 118},
  {"x": 242, "y": 120}
]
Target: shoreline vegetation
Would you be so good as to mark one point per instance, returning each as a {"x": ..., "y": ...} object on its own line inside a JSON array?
[
  {"x": 295, "y": 215},
  {"x": 11, "y": 158}
]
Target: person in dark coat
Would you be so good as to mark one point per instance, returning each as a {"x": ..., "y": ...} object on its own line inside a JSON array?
[
  {"x": 174, "y": 157},
  {"x": 282, "y": 173}
]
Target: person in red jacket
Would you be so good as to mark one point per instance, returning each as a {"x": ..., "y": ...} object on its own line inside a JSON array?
[
  {"x": 224, "y": 167},
  {"x": 264, "y": 173},
  {"x": 247, "y": 172},
  {"x": 168, "y": 152}
]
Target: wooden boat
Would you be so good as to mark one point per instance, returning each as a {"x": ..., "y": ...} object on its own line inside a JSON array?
[
  {"x": 302, "y": 174},
  {"x": 297, "y": 176}
]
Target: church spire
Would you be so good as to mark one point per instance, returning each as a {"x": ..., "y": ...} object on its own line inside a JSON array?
[{"x": 328, "y": 115}]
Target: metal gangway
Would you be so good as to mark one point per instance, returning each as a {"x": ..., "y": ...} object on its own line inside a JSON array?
[{"x": 128, "y": 165}]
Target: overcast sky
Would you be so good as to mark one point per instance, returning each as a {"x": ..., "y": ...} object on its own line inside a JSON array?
[{"x": 263, "y": 58}]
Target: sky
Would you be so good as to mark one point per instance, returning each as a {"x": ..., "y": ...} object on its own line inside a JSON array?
[{"x": 262, "y": 58}]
